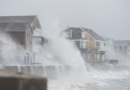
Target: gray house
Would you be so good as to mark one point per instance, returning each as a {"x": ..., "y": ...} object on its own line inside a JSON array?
[
  {"x": 90, "y": 44},
  {"x": 20, "y": 30},
  {"x": 122, "y": 49}
]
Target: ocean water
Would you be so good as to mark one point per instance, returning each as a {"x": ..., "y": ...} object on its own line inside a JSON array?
[
  {"x": 94, "y": 80},
  {"x": 79, "y": 78}
]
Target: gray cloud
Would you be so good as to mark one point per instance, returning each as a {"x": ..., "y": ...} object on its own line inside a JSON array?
[{"x": 109, "y": 18}]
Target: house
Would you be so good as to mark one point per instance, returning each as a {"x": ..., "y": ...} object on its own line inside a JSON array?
[
  {"x": 110, "y": 55},
  {"x": 20, "y": 29},
  {"x": 20, "y": 33},
  {"x": 90, "y": 44},
  {"x": 122, "y": 49}
]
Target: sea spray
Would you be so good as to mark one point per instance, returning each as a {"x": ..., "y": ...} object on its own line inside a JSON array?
[{"x": 59, "y": 48}]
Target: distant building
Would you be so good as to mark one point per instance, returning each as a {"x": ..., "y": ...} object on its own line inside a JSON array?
[
  {"x": 110, "y": 54},
  {"x": 122, "y": 49},
  {"x": 90, "y": 44}
]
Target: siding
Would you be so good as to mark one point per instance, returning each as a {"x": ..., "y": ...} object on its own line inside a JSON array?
[
  {"x": 18, "y": 37},
  {"x": 28, "y": 42},
  {"x": 91, "y": 40},
  {"x": 36, "y": 24}
]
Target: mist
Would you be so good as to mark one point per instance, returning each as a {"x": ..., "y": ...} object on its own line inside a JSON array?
[{"x": 108, "y": 18}]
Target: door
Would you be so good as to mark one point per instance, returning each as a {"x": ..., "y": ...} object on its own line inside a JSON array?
[{"x": 93, "y": 56}]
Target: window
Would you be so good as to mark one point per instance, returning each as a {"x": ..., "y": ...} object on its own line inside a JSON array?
[
  {"x": 123, "y": 47},
  {"x": 118, "y": 48},
  {"x": 27, "y": 38},
  {"x": 30, "y": 38},
  {"x": 83, "y": 34},
  {"x": 84, "y": 44},
  {"x": 67, "y": 34},
  {"x": 110, "y": 42},
  {"x": 97, "y": 44},
  {"x": 26, "y": 61},
  {"x": 115, "y": 47},
  {"x": 93, "y": 42}
]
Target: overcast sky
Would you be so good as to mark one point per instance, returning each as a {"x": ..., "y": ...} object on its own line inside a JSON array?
[{"x": 108, "y": 18}]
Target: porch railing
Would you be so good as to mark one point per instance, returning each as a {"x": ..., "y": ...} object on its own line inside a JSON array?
[
  {"x": 97, "y": 47},
  {"x": 96, "y": 60}
]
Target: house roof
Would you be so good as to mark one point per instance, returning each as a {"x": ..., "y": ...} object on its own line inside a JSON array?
[
  {"x": 121, "y": 42},
  {"x": 21, "y": 19},
  {"x": 29, "y": 19},
  {"x": 76, "y": 35},
  {"x": 74, "y": 28},
  {"x": 13, "y": 27},
  {"x": 93, "y": 34}
]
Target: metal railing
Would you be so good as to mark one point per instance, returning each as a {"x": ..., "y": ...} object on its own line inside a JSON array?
[
  {"x": 96, "y": 60},
  {"x": 97, "y": 47}
]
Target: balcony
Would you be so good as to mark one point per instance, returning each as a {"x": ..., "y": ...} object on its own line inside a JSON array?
[
  {"x": 84, "y": 47},
  {"x": 99, "y": 48},
  {"x": 103, "y": 49},
  {"x": 97, "y": 61}
]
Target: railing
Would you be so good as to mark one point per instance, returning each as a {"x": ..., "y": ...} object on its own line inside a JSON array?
[
  {"x": 36, "y": 63},
  {"x": 84, "y": 47},
  {"x": 103, "y": 48},
  {"x": 99, "y": 48},
  {"x": 97, "y": 61},
  {"x": 89, "y": 47}
]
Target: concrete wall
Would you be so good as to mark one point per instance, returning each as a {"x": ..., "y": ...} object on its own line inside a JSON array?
[
  {"x": 47, "y": 71},
  {"x": 19, "y": 81}
]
